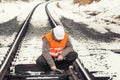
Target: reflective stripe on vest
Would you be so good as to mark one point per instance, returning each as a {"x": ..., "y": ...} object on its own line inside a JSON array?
[{"x": 55, "y": 46}]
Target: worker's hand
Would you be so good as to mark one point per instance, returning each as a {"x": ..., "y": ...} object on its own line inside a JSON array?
[
  {"x": 54, "y": 54},
  {"x": 53, "y": 68},
  {"x": 60, "y": 57}
]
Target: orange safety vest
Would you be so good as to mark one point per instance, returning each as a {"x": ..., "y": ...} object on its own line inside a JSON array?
[{"x": 55, "y": 46}]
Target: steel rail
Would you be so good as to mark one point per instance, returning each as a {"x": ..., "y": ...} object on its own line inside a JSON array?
[
  {"x": 83, "y": 70},
  {"x": 54, "y": 23},
  {"x": 51, "y": 19},
  {"x": 5, "y": 66}
]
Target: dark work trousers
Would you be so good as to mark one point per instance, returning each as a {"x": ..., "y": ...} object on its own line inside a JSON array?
[{"x": 64, "y": 64}]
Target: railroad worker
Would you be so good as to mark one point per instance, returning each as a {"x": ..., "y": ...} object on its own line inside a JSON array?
[{"x": 57, "y": 50}]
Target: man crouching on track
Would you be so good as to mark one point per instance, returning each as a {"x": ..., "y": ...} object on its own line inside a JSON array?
[{"x": 57, "y": 50}]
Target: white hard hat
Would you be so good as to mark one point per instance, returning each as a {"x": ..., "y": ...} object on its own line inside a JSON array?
[{"x": 59, "y": 32}]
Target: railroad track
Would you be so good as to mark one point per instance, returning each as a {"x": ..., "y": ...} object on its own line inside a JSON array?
[
  {"x": 19, "y": 64},
  {"x": 5, "y": 65}
]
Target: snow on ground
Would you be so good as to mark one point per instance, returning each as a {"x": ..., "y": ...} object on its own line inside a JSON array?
[
  {"x": 18, "y": 11},
  {"x": 15, "y": 9},
  {"x": 10, "y": 10},
  {"x": 93, "y": 14}
]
